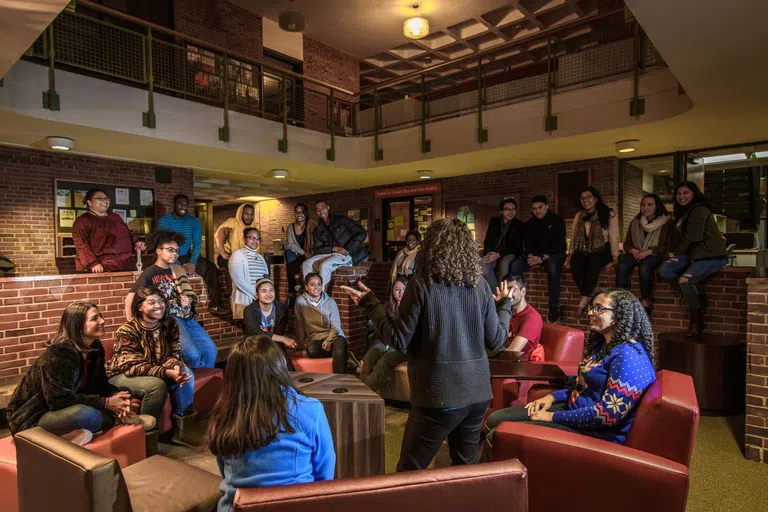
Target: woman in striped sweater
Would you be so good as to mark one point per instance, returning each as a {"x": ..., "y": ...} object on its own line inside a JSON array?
[{"x": 246, "y": 267}]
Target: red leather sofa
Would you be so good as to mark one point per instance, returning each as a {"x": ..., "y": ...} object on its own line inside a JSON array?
[
  {"x": 492, "y": 486},
  {"x": 648, "y": 473},
  {"x": 208, "y": 384},
  {"x": 302, "y": 363},
  {"x": 124, "y": 443},
  {"x": 563, "y": 346}
]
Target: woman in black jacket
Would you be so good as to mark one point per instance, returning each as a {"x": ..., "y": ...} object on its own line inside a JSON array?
[
  {"x": 66, "y": 390},
  {"x": 267, "y": 317},
  {"x": 446, "y": 320}
]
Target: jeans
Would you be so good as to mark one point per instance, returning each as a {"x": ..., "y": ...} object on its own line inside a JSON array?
[
  {"x": 152, "y": 391},
  {"x": 325, "y": 264},
  {"x": 645, "y": 269},
  {"x": 518, "y": 413},
  {"x": 197, "y": 348},
  {"x": 428, "y": 427},
  {"x": 554, "y": 268},
  {"x": 339, "y": 352},
  {"x": 379, "y": 364},
  {"x": 76, "y": 417},
  {"x": 293, "y": 264},
  {"x": 210, "y": 274},
  {"x": 586, "y": 268},
  {"x": 496, "y": 271},
  {"x": 681, "y": 266}
]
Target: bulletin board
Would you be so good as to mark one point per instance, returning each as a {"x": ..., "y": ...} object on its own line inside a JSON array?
[{"x": 136, "y": 205}]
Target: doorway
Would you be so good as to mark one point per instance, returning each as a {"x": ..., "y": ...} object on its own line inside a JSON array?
[
  {"x": 204, "y": 212},
  {"x": 401, "y": 215}
]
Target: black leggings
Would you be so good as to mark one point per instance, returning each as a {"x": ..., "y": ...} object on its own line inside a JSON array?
[
  {"x": 586, "y": 268},
  {"x": 339, "y": 352}
]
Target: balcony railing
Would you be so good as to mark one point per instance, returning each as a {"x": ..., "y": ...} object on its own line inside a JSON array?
[{"x": 108, "y": 44}]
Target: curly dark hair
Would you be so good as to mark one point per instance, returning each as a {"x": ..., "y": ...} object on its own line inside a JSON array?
[
  {"x": 603, "y": 210},
  {"x": 450, "y": 254},
  {"x": 162, "y": 236},
  {"x": 631, "y": 324}
]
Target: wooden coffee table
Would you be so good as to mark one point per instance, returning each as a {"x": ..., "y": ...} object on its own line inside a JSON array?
[{"x": 356, "y": 416}]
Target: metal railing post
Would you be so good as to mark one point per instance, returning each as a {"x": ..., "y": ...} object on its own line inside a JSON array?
[
  {"x": 148, "y": 117},
  {"x": 637, "y": 104},
  {"x": 224, "y": 130},
  {"x": 550, "y": 121},
  {"x": 426, "y": 145},
  {"x": 353, "y": 115},
  {"x": 51, "y": 97},
  {"x": 330, "y": 154},
  {"x": 282, "y": 144},
  {"x": 378, "y": 153},
  {"x": 482, "y": 133}
]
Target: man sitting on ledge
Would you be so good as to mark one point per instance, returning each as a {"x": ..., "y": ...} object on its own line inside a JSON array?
[{"x": 339, "y": 242}]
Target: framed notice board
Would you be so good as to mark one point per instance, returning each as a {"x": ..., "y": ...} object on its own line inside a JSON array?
[{"x": 136, "y": 205}]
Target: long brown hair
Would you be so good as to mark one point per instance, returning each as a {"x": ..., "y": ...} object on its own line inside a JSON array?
[
  {"x": 450, "y": 254},
  {"x": 252, "y": 408},
  {"x": 72, "y": 324}
]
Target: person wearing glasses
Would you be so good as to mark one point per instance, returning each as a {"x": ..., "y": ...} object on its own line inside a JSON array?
[
  {"x": 246, "y": 267},
  {"x": 197, "y": 348},
  {"x": 298, "y": 244},
  {"x": 617, "y": 368},
  {"x": 503, "y": 243},
  {"x": 103, "y": 242}
]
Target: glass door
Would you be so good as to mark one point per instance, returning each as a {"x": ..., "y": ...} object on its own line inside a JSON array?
[
  {"x": 204, "y": 212},
  {"x": 398, "y": 218}
]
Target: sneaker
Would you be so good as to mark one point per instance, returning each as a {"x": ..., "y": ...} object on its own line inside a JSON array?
[
  {"x": 354, "y": 363},
  {"x": 554, "y": 315},
  {"x": 80, "y": 437},
  {"x": 218, "y": 310}
]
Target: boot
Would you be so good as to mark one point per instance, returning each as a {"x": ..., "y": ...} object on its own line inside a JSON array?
[
  {"x": 184, "y": 431},
  {"x": 695, "y": 323},
  {"x": 151, "y": 439},
  {"x": 554, "y": 314}
]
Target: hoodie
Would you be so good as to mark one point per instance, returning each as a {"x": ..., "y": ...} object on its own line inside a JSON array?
[
  {"x": 319, "y": 322},
  {"x": 229, "y": 236}
]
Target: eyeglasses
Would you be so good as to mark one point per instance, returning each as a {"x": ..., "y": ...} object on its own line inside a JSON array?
[
  {"x": 510, "y": 209},
  {"x": 252, "y": 238},
  {"x": 101, "y": 199},
  {"x": 172, "y": 250},
  {"x": 597, "y": 309}
]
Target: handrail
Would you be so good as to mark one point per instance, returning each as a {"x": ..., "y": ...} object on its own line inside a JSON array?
[
  {"x": 250, "y": 60},
  {"x": 491, "y": 51}
]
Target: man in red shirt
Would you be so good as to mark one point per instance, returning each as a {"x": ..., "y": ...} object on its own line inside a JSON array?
[{"x": 526, "y": 323}]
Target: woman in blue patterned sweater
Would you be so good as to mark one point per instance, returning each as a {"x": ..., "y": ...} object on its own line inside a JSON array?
[{"x": 617, "y": 368}]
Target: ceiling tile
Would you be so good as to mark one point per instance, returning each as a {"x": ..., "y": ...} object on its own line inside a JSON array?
[
  {"x": 487, "y": 40},
  {"x": 437, "y": 40},
  {"x": 469, "y": 28},
  {"x": 503, "y": 16},
  {"x": 408, "y": 50}
]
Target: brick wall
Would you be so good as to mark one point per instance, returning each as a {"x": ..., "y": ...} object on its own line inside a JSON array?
[
  {"x": 221, "y": 23},
  {"x": 632, "y": 193},
  {"x": 27, "y": 177},
  {"x": 756, "y": 440}
]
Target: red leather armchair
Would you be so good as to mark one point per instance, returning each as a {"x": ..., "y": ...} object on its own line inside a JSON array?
[
  {"x": 302, "y": 363},
  {"x": 563, "y": 346},
  {"x": 649, "y": 472},
  {"x": 478, "y": 487}
]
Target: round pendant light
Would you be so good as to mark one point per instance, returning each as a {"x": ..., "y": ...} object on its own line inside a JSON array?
[{"x": 416, "y": 27}]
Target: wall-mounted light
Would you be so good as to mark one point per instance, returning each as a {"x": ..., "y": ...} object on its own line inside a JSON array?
[
  {"x": 279, "y": 174},
  {"x": 424, "y": 174},
  {"x": 416, "y": 27},
  {"x": 60, "y": 143},
  {"x": 627, "y": 146}
]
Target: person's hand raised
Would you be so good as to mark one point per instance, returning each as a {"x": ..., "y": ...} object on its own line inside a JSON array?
[
  {"x": 357, "y": 294},
  {"x": 502, "y": 291}
]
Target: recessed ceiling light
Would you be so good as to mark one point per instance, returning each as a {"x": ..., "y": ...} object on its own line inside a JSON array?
[
  {"x": 279, "y": 174},
  {"x": 424, "y": 174},
  {"x": 664, "y": 170},
  {"x": 253, "y": 199},
  {"x": 627, "y": 146},
  {"x": 61, "y": 143}
]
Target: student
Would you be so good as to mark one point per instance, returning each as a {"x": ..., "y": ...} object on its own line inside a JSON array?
[
  {"x": 298, "y": 244},
  {"x": 103, "y": 242},
  {"x": 447, "y": 320},
  {"x": 263, "y": 431},
  {"x": 181, "y": 221},
  {"x": 266, "y": 317},
  {"x": 649, "y": 239},
  {"x": 380, "y": 360},
  {"x": 148, "y": 360},
  {"x": 617, "y": 368},
  {"x": 66, "y": 390},
  {"x": 339, "y": 242},
  {"x": 246, "y": 266},
  {"x": 526, "y": 323},
  {"x": 318, "y": 324},
  {"x": 408, "y": 260},
  {"x": 699, "y": 254},
  {"x": 197, "y": 348},
  {"x": 594, "y": 244},
  {"x": 229, "y": 236},
  {"x": 503, "y": 243},
  {"x": 544, "y": 244}
]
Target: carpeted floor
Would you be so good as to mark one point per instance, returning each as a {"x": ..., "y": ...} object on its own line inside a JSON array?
[{"x": 721, "y": 479}]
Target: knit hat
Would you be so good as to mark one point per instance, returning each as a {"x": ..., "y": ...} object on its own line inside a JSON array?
[{"x": 265, "y": 279}]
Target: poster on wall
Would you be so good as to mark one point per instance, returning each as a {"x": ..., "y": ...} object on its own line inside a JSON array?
[
  {"x": 121, "y": 213},
  {"x": 145, "y": 197},
  {"x": 66, "y": 217},
  {"x": 80, "y": 198},
  {"x": 122, "y": 196},
  {"x": 63, "y": 198}
]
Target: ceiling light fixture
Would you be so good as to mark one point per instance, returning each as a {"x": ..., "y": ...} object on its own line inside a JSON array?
[
  {"x": 416, "y": 27},
  {"x": 721, "y": 159},
  {"x": 424, "y": 174},
  {"x": 279, "y": 174},
  {"x": 627, "y": 146},
  {"x": 291, "y": 21},
  {"x": 254, "y": 199},
  {"x": 61, "y": 143}
]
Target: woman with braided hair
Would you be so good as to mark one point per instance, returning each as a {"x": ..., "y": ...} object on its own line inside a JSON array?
[{"x": 618, "y": 366}]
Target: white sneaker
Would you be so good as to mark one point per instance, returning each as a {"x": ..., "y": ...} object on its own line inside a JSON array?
[{"x": 80, "y": 437}]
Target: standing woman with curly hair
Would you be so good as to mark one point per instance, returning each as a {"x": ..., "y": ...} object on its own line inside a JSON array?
[
  {"x": 447, "y": 318},
  {"x": 617, "y": 368}
]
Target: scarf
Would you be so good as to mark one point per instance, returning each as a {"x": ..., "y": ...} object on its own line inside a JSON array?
[
  {"x": 401, "y": 267},
  {"x": 595, "y": 242},
  {"x": 646, "y": 234}
]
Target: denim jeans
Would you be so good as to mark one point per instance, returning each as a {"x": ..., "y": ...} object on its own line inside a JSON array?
[
  {"x": 325, "y": 264},
  {"x": 76, "y": 417},
  {"x": 496, "y": 271},
  {"x": 197, "y": 348},
  {"x": 645, "y": 269},
  {"x": 152, "y": 391},
  {"x": 681, "y": 266},
  {"x": 554, "y": 268},
  {"x": 339, "y": 352}
]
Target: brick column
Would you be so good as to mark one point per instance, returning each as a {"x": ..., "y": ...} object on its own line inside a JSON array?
[{"x": 756, "y": 439}]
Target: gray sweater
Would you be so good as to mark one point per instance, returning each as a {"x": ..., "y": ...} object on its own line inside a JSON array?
[
  {"x": 444, "y": 329},
  {"x": 319, "y": 322}
]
